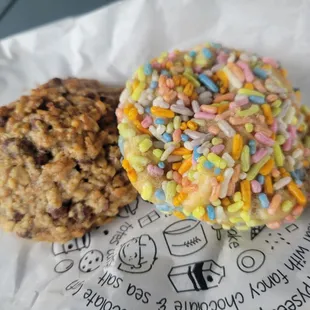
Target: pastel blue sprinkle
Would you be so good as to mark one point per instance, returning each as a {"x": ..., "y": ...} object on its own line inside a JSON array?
[
  {"x": 148, "y": 69},
  {"x": 161, "y": 165},
  {"x": 217, "y": 171},
  {"x": 260, "y": 73},
  {"x": 165, "y": 72},
  {"x": 164, "y": 208},
  {"x": 211, "y": 212},
  {"x": 195, "y": 153},
  {"x": 184, "y": 137},
  {"x": 159, "y": 121},
  {"x": 298, "y": 182},
  {"x": 205, "y": 80},
  {"x": 121, "y": 144},
  {"x": 263, "y": 199},
  {"x": 252, "y": 146},
  {"x": 167, "y": 137},
  {"x": 257, "y": 99},
  {"x": 153, "y": 84},
  {"x": 147, "y": 110},
  {"x": 160, "y": 194},
  {"x": 207, "y": 164},
  {"x": 192, "y": 53},
  {"x": 207, "y": 53},
  {"x": 261, "y": 179},
  {"x": 294, "y": 175}
]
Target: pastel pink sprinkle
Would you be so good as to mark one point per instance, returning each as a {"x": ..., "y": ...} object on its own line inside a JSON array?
[
  {"x": 292, "y": 130},
  {"x": 287, "y": 144},
  {"x": 270, "y": 61},
  {"x": 155, "y": 171},
  {"x": 260, "y": 137},
  {"x": 259, "y": 155},
  {"x": 290, "y": 218},
  {"x": 274, "y": 225},
  {"x": 256, "y": 186},
  {"x": 176, "y": 136},
  {"x": 147, "y": 122},
  {"x": 239, "y": 103},
  {"x": 306, "y": 152},
  {"x": 217, "y": 149},
  {"x": 248, "y": 74},
  {"x": 172, "y": 56},
  {"x": 297, "y": 210},
  {"x": 274, "y": 126},
  {"x": 177, "y": 177},
  {"x": 222, "y": 57},
  {"x": 204, "y": 115}
]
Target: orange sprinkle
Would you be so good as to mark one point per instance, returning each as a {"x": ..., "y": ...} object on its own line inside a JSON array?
[
  {"x": 268, "y": 113},
  {"x": 237, "y": 146},
  {"x": 222, "y": 108},
  {"x": 192, "y": 125},
  {"x": 181, "y": 151},
  {"x": 135, "y": 84},
  {"x": 249, "y": 86},
  {"x": 306, "y": 163},
  {"x": 267, "y": 168},
  {"x": 246, "y": 193},
  {"x": 132, "y": 175},
  {"x": 220, "y": 178},
  {"x": 132, "y": 114},
  {"x": 188, "y": 89},
  {"x": 268, "y": 185},
  {"x": 183, "y": 81},
  {"x": 297, "y": 193},
  {"x": 205, "y": 218},
  {"x": 226, "y": 202},
  {"x": 179, "y": 215},
  {"x": 283, "y": 172},
  {"x": 176, "y": 166},
  {"x": 284, "y": 72},
  {"x": 194, "y": 96},
  {"x": 141, "y": 128},
  {"x": 274, "y": 204},
  {"x": 178, "y": 199},
  {"x": 185, "y": 166},
  {"x": 160, "y": 112},
  {"x": 127, "y": 108},
  {"x": 126, "y": 164},
  {"x": 190, "y": 189},
  {"x": 177, "y": 80},
  {"x": 169, "y": 64},
  {"x": 183, "y": 126},
  {"x": 226, "y": 97}
]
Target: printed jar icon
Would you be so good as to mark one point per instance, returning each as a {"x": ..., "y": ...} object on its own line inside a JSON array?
[
  {"x": 185, "y": 237},
  {"x": 198, "y": 276},
  {"x": 76, "y": 244}
]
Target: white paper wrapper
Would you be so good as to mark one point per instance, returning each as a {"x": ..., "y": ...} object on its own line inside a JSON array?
[{"x": 144, "y": 259}]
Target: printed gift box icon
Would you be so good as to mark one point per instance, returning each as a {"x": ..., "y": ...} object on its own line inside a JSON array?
[
  {"x": 76, "y": 244},
  {"x": 185, "y": 237},
  {"x": 196, "y": 276}
]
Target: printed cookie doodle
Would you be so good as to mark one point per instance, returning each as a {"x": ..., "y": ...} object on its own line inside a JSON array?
[
  {"x": 60, "y": 172},
  {"x": 217, "y": 135}
]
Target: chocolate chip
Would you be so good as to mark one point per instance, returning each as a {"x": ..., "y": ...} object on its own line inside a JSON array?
[
  {"x": 55, "y": 82},
  {"x": 28, "y": 147},
  {"x": 78, "y": 168},
  {"x": 90, "y": 96},
  {"x": 101, "y": 122},
  {"x": 43, "y": 106},
  {"x": 103, "y": 99},
  {"x": 3, "y": 120},
  {"x": 42, "y": 158},
  {"x": 17, "y": 217},
  {"x": 87, "y": 212},
  {"x": 25, "y": 234},
  {"x": 67, "y": 203}
]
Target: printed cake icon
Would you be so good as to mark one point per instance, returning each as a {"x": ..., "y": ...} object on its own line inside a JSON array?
[
  {"x": 185, "y": 237},
  {"x": 198, "y": 276}
]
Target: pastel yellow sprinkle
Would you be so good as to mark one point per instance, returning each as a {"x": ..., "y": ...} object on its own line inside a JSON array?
[
  {"x": 191, "y": 174},
  {"x": 171, "y": 189},
  {"x": 245, "y": 216},
  {"x": 235, "y": 206},
  {"x": 199, "y": 212},
  {"x": 249, "y": 127},
  {"x": 140, "y": 74},
  {"x": 186, "y": 212},
  {"x": 216, "y": 202},
  {"x": 147, "y": 190},
  {"x": 217, "y": 161},
  {"x": 253, "y": 223},
  {"x": 249, "y": 92},
  {"x": 169, "y": 128},
  {"x": 226, "y": 226},
  {"x": 237, "y": 145},
  {"x": 179, "y": 188},
  {"x": 157, "y": 153},
  {"x": 287, "y": 206},
  {"x": 276, "y": 111},
  {"x": 201, "y": 159},
  {"x": 169, "y": 175},
  {"x": 235, "y": 219},
  {"x": 242, "y": 228},
  {"x": 145, "y": 145},
  {"x": 277, "y": 103},
  {"x": 140, "y": 160},
  {"x": 280, "y": 139},
  {"x": 278, "y": 155},
  {"x": 250, "y": 111},
  {"x": 216, "y": 141},
  {"x": 137, "y": 92},
  {"x": 245, "y": 159},
  {"x": 125, "y": 131},
  {"x": 191, "y": 78},
  {"x": 254, "y": 170},
  {"x": 237, "y": 196}
]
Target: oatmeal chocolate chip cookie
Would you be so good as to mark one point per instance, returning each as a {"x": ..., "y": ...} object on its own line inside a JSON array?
[{"x": 60, "y": 170}]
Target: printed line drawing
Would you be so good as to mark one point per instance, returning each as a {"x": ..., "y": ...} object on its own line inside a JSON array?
[
  {"x": 218, "y": 230},
  {"x": 76, "y": 244},
  {"x": 148, "y": 218},
  {"x": 249, "y": 261},
  {"x": 198, "y": 276},
  {"x": 138, "y": 255},
  {"x": 185, "y": 237},
  {"x": 277, "y": 241},
  {"x": 91, "y": 261},
  {"x": 64, "y": 265},
  {"x": 292, "y": 227},
  {"x": 129, "y": 210},
  {"x": 255, "y": 231}
]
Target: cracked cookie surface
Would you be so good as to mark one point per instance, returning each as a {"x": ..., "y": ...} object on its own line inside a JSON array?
[{"x": 60, "y": 171}]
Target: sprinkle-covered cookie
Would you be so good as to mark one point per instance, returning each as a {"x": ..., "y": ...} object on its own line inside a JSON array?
[
  {"x": 216, "y": 134},
  {"x": 60, "y": 170}
]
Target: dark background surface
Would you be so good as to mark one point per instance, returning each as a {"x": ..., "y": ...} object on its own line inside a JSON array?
[{"x": 21, "y": 15}]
